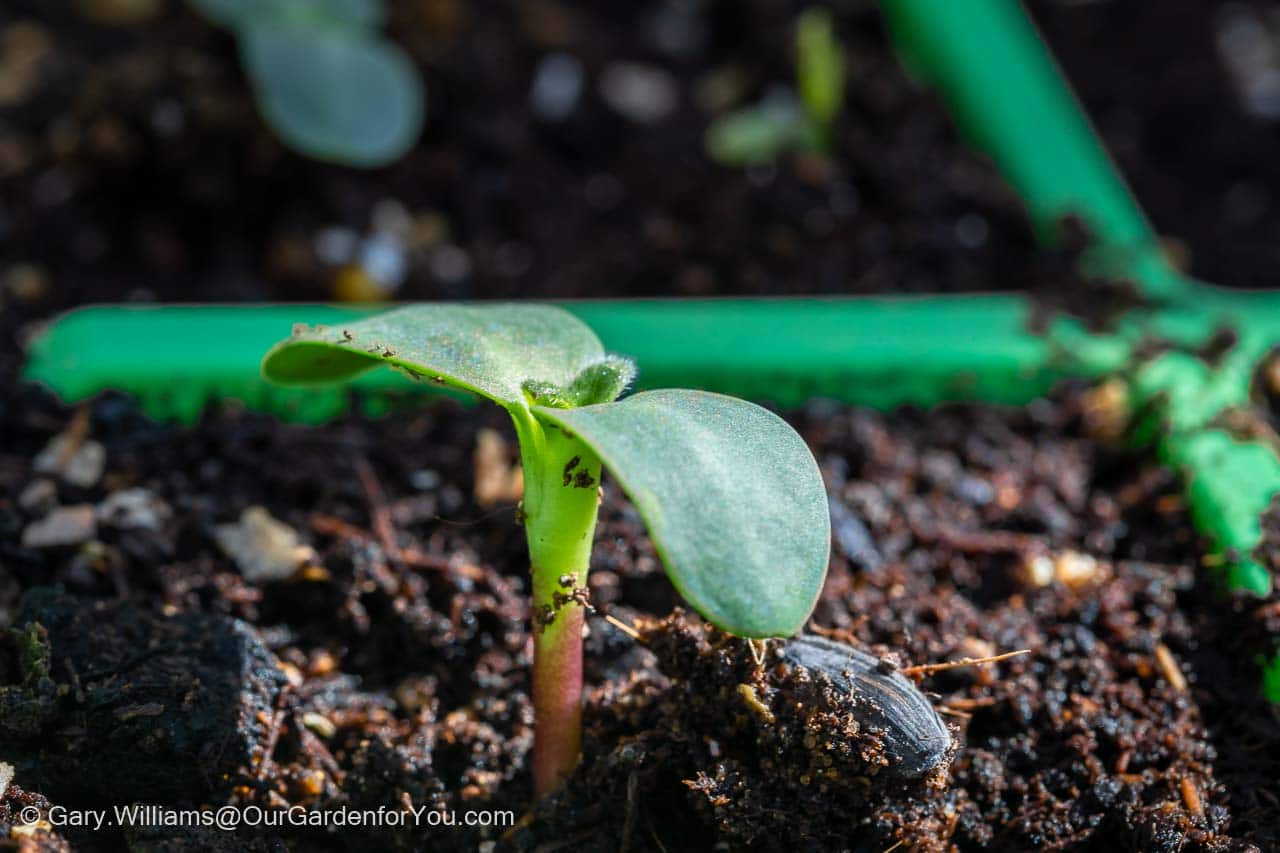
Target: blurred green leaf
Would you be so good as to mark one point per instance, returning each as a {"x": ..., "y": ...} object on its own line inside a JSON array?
[
  {"x": 335, "y": 95},
  {"x": 819, "y": 65},
  {"x": 760, "y": 133},
  {"x": 365, "y": 14}
]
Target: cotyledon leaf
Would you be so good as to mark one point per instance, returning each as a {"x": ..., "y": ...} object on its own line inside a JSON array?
[
  {"x": 731, "y": 495},
  {"x": 335, "y": 94},
  {"x": 493, "y": 350}
]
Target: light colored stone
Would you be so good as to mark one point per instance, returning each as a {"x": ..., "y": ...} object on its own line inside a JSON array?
[
  {"x": 80, "y": 467},
  {"x": 1073, "y": 569},
  {"x": 39, "y": 496},
  {"x": 557, "y": 86},
  {"x": 642, "y": 93},
  {"x": 134, "y": 508},
  {"x": 65, "y": 526},
  {"x": 496, "y": 480},
  {"x": 6, "y": 777},
  {"x": 264, "y": 548}
]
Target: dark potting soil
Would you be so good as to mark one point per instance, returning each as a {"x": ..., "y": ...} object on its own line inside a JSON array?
[
  {"x": 139, "y": 664},
  {"x": 133, "y": 164},
  {"x": 1187, "y": 97}
]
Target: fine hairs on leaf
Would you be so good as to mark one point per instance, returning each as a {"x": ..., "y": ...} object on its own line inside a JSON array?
[
  {"x": 326, "y": 82},
  {"x": 731, "y": 495}
]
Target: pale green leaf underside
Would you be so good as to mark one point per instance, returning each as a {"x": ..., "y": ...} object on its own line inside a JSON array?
[
  {"x": 490, "y": 349},
  {"x": 732, "y": 498}
]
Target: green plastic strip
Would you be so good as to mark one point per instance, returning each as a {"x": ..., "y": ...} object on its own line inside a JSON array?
[{"x": 874, "y": 352}]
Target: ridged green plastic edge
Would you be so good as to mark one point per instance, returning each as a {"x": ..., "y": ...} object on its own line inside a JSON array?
[{"x": 873, "y": 352}]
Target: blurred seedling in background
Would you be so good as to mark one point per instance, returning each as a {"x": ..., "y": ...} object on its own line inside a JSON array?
[
  {"x": 329, "y": 85},
  {"x": 782, "y": 123},
  {"x": 730, "y": 493}
]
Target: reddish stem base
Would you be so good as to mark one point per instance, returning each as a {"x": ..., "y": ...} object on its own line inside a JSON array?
[{"x": 557, "y": 700}]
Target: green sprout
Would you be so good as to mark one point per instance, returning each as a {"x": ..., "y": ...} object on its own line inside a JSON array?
[
  {"x": 778, "y": 124},
  {"x": 730, "y": 493},
  {"x": 326, "y": 82}
]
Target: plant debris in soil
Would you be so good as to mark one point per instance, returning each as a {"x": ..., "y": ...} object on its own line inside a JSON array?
[
  {"x": 1187, "y": 99},
  {"x": 133, "y": 164},
  {"x": 390, "y": 669}
]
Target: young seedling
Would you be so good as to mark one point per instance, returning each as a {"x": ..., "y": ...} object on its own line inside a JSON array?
[
  {"x": 731, "y": 495},
  {"x": 328, "y": 85},
  {"x": 779, "y": 123}
]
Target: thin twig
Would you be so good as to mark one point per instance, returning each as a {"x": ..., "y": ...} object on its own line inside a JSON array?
[
  {"x": 379, "y": 514},
  {"x": 623, "y": 627},
  {"x": 964, "y": 715},
  {"x": 273, "y": 733},
  {"x": 929, "y": 668},
  {"x": 629, "y": 822}
]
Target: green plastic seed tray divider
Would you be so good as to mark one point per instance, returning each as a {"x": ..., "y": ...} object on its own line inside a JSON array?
[{"x": 1009, "y": 98}]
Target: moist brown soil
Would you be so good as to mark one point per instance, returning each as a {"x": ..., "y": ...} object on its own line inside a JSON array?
[
  {"x": 1162, "y": 93},
  {"x": 133, "y": 164},
  {"x": 394, "y": 670}
]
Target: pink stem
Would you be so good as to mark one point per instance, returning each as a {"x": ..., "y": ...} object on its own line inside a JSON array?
[{"x": 557, "y": 699}]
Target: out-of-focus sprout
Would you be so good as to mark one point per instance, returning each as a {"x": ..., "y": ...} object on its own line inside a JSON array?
[
  {"x": 780, "y": 123},
  {"x": 819, "y": 68}
]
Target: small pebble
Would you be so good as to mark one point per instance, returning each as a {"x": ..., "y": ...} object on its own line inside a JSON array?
[
  {"x": 557, "y": 87},
  {"x": 677, "y": 29},
  {"x": 65, "y": 526},
  {"x": 336, "y": 246},
  {"x": 424, "y": 480},
  {"x": 853, "y": 538},
  {"x": 1073, "y": 569},
  {"x": 389, "y": 216},
  {"x": 972, "y": 231},
  {"x": 168, "y": 117},
  {"x": 134, "y": 508},
  {"x": 82, "y": 468},
  {"x": 264, "y": 548},
  {"x": 1037, "y": 570},
  {"x": 353, "y": 284},
  {"x": 40, "y": 496},
  {"x": 496, "y": 480},
  {"x": 26, "y": 283},
  {"x": 640, "y": 93},
  {"x": 450, "y": 264},
  {"x": 383, "y": 259}
]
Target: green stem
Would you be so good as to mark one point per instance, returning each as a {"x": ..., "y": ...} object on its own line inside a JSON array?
[{"x": 561, "y": 477}]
